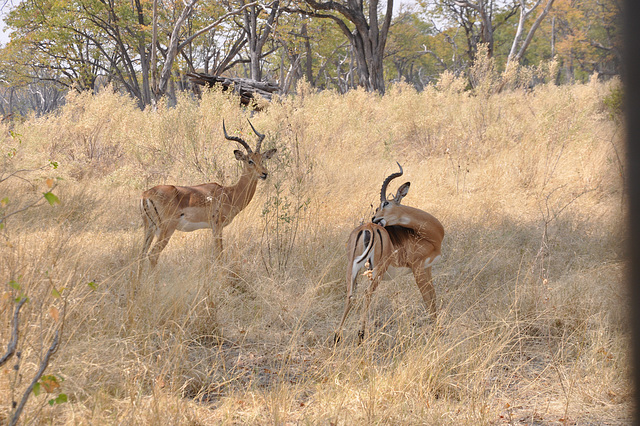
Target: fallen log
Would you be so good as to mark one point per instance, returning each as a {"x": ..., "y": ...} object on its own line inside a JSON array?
[{"x": 246, "y": 88}]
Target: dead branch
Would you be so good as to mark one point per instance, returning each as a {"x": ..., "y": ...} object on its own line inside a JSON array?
[
  {"x": 13, "y": 343},
  {"x": 43, "y": 366},
  {"x": 246, "y": 88}
]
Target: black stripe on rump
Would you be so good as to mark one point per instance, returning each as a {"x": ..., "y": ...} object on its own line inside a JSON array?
[
  {"x": 355, "y": 246},
  {"x": 145, "y": 208},
  {"x": 368, "y": 247}
]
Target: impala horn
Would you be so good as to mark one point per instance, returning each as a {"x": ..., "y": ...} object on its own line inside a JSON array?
[
  {"x": 235, "y": 138},
  {"x": 383, "y": 191},
  {"x": 260, "y": 136}
]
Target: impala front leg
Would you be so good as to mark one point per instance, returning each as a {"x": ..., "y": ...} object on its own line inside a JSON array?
[{"x": 351, "y": 287}]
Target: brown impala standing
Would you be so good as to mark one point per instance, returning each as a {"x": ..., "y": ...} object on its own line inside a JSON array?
[
  {"x": 167, "y": 208},
  {"x": 398, "y": 236}
]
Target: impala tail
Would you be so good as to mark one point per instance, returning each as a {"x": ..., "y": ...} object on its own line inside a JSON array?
[{"x": 364, "y": 251}]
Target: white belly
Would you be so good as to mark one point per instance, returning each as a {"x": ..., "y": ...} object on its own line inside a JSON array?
[
  {"x": 429, "y": 261},
  {"x": 394, "y": 272},
  {"x": 186, "y": 226}
]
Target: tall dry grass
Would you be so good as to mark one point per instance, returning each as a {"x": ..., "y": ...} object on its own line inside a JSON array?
[{"x": 531, "y": 327}]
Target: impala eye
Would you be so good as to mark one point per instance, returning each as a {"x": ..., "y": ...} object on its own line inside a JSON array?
[
  {"x": 251, "y": 162},
  {"x": 385, "y": 204}
]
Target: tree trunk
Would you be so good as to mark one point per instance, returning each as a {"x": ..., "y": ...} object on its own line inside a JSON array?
[
  {"x": 251, "y": 24},
  {"x": 172, "y": 49},
  {"x": 524, "y": 15},
  {"x": 144, "y": 59},
  {"x": 257, "y": 38},
  {"x": 308, "y": 70},
  {"x": 154, "y": 52},
  {"x": 144, "y": 64}
]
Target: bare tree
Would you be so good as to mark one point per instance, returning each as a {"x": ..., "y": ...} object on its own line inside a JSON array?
[
  {"x": 368, "y": 39},
  {"x": 468, "y": 14},
  {"x": 175, "y": 46},
  {"x": 524, "y": 15},
  {"x": 485, "y": 10},
  {"x": 257, "y": 35}
]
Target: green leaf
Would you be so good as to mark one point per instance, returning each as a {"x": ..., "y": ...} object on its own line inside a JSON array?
[
  {"x": 62, "y": 398},
  {"x": 55, "y": 293},
  {"x": 93, "y": 285},
  {"x": 53, "y": 164},
  {"x": 36, "y": 389},
  {"x": 4, "y": 202},
  {"x": 14, "y": 285},
  {"x": 51, "y": 198}
]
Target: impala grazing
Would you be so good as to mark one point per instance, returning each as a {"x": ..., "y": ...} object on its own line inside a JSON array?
[
  {"x": 167, "y": 208},
  {"x": 398, "y": 236}
]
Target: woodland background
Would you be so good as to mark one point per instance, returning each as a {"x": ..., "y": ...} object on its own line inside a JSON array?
[{"x": 79, "y": 45}]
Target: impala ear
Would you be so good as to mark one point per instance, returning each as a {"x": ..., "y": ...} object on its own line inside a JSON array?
[
  {"x": 239, "y": 155},
  {"x": 402, "y": 192},
  {"x": 268, "y": 154}
]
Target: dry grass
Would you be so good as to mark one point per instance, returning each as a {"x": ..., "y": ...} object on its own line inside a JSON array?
[{"x": 532, "y": 326}]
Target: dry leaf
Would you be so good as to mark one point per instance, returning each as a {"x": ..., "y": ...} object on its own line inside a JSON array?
[
  {"x": 160, "y": 382},
  {"x": 50, "y": 383},
  {"x": 55, "y": 313}
]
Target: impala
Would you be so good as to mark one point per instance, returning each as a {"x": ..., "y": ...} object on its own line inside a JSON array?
[
  {"x": 167, "y": 208},
  {"x": 398, "y": 236}
]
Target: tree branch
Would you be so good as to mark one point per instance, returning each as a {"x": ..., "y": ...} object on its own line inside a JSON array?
[
  {"x": 341, "y": 24},
  {"x": 11, "y": 348},
  {"x": 43, "y": 366},
  {"x": 215, "y": 24}
]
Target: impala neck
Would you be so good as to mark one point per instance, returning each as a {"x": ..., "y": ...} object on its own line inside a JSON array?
[{"x": 242, "y": 192}]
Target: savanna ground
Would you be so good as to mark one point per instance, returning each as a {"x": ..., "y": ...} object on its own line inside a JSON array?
[{"x": 532, "y": 325}]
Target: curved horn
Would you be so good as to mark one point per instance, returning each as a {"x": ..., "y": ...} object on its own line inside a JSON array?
[
  {"x": 260, "y": 136},
  {"x": 383, "y": 191},
  {"x": 235, "y": 138}
]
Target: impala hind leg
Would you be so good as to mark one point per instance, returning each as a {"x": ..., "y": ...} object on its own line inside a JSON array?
[
  {"x": 347, "y": 307},
  {"x": 365, "y": 308},
  {"x": 163, "y": 240},
  {"x": 424, "y": 281},
  {"x": 149, "y": 233}
]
